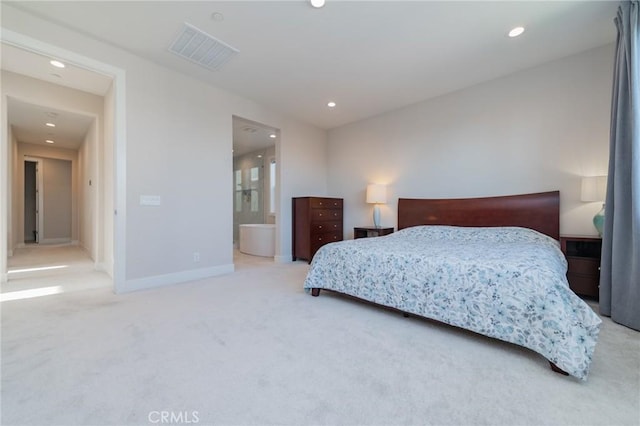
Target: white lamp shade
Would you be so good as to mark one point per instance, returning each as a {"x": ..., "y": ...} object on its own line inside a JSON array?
[
  {"x": 376, "y": 193},
  {"x": 594, "y": 188}
]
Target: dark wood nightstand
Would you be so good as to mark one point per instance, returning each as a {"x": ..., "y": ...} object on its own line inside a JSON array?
[
  {"x": 583, "y": 256},
  {"x": 372, "y": 231}
]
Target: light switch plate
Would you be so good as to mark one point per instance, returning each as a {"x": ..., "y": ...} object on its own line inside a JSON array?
[{"x": 150, "y": 200}]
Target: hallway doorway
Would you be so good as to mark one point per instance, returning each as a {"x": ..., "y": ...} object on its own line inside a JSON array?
[
  {"x": 97, "y": 168},
  {"x": 31, "y": 201},
  {"x": 48, "y": 201}
]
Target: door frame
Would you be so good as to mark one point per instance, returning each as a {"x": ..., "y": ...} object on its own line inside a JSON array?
[
  {"x": 39, "y": 198},
  {"x": 118, "y": 76}
]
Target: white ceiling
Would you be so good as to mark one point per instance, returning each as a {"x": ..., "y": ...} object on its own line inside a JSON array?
[
  {"x": 28, "y": 121},
  {"x": 250, "y": 136},
  {"x": 28, "y": 124},
  {"x": 37, "y": 66},
  {"x": 368, "y": 56}
]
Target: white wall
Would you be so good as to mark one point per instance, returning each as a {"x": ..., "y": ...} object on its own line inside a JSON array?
[
  {"x": 269, "y": 154},
  {"x": 58, "y": 202},
  {"x": 106, "y": 184},
  {"x": 537, "y": 130},
  {"x": 14, "y": 197},
  {"x": 87, "y": 183},
  {"x": 178, "y": 146}
]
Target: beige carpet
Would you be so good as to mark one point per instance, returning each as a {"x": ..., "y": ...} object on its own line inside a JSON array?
[{"x": 251, "y": 348}]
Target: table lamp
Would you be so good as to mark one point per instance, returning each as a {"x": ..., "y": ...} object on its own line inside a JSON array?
[
  {"x": 376, "y": 194},
  {"x": 594, "y": 188}
]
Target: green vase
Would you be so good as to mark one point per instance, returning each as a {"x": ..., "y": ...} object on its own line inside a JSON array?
[{"x": 598, "y": 220}]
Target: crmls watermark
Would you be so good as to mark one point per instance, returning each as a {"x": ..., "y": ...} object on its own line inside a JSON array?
[{"x": 173, "y": 417}]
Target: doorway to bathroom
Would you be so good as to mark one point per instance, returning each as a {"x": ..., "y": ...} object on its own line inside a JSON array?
[
  {"x": 255, "y": 171},
  {"x": 249, "y": 180}
]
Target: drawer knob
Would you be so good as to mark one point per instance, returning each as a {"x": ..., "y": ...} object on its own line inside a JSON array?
[
  {"x": 319, "y": 226},
  {"x": 319, "y": 238},
  {"x": 320, "y": 214},
  {"x": 320, "y": 202}
]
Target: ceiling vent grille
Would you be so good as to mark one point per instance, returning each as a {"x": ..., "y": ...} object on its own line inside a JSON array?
[{"x": 201, "y": 48}]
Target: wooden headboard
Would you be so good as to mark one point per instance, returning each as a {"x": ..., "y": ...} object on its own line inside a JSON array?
[{"x": 540, "y": 212}]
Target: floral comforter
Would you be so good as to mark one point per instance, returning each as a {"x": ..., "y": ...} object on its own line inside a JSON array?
[{"x": 508, "y": 283}]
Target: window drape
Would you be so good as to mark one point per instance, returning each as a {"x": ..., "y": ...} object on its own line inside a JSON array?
[{"x": 620, "y": 269}]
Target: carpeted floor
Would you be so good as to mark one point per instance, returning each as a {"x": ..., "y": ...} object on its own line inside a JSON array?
[
  {"x": 251, "y": 348},
  {"x": 59, "y": 268}
]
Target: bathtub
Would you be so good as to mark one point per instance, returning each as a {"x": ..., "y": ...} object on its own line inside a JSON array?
[{"x": 258, "y": 239}]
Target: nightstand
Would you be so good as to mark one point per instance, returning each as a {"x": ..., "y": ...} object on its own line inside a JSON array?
[
  {"x": 583, "y": 256},
  {"x": 371, "y": 231}
]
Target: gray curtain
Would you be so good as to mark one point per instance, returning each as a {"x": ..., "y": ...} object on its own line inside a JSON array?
[{"x": 620, "y": 271}]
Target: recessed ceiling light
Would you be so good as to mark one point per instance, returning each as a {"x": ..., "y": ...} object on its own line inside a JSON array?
[
  {"x": 317, "y": 3},
  {"x": 259, "y": 156},
  {"x": 50, "y": 125},
  {"x": 272, "y": 135},
  {"x": 56, "y": 64},
  {"x": 49, "y": 141},
  {"x": 217, "y": 16},
  {"x": 331, "y": 104},
  {"x": 516, "y": 31}
]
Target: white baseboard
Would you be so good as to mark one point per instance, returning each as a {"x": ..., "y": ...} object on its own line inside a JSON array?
[
  {"x": 105, "y": 267},
  {"x": 175, "y": 278},
  {"x": 50, "y": 241},
  {"x": 283, "y": 259},
  {"x": 9, "y": 253},
  {"x": 56, "y": 241}
]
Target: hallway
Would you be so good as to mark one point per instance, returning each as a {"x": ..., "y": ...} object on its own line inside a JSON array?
[{"x": 40, "y": 270}]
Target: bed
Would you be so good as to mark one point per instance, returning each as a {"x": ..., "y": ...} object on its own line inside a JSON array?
[{"x": 489, "y": 265}]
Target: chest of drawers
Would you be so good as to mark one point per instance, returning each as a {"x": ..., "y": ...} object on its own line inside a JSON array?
[{"x": 316, "y": 222}]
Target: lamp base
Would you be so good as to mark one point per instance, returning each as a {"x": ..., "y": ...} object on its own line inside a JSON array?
[
  {"x": 376, "y": 216},
  {"x": 598, "y": 220}
]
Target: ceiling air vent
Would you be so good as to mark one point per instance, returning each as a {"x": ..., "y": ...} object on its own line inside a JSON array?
[{"x": 201, "y": 48}]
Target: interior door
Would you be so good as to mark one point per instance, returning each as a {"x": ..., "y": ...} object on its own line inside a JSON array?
[{"x": 31, "y": 208}]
